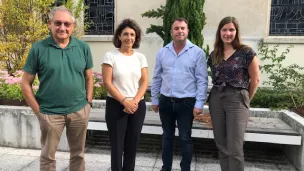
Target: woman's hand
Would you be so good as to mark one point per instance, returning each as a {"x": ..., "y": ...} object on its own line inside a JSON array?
[
  {"x": 130, "y": 106},
  {"x": 135, "y": 100}
]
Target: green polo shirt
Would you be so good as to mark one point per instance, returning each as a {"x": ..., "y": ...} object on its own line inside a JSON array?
[{"x": 60, "y": 73}]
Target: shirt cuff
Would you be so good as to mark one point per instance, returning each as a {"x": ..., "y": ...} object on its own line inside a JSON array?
[
  {"x": 199, "y": 104},
  {"x": 155, "y": 101}
]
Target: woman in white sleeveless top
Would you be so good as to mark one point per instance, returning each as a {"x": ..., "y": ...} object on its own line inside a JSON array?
[{"x": 125, "y": 77}]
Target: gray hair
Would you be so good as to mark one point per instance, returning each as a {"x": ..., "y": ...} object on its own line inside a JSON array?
[{"x": 60, "y": 8}]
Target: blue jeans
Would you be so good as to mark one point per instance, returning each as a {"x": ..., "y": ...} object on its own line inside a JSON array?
[{"x": 178, "y": 111}]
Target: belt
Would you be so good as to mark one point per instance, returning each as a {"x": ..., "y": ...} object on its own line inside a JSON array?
[
  {"x": 175, "y": 99},
  {"x": 224, "y": 85}
]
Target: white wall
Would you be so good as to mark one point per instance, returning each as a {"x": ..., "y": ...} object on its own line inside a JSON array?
[{"x": 252, "y": 16}]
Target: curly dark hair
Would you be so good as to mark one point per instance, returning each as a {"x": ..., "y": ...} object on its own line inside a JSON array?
[{"x": 124, "y": 24}]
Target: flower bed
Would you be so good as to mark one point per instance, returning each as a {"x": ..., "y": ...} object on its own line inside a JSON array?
[{"x": 10, "y": 90}]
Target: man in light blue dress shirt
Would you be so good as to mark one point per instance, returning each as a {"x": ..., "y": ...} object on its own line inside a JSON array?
[{"x": 179, "y": 91}]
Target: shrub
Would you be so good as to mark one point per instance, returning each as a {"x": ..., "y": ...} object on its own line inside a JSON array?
[
  {"x": 99, "y": 90},
  {"x": 10, "y": 86},
  {"x": 23, "y": 22},
  {"x": 286, "y": 82},
  {"x": 271, "y": 98}
]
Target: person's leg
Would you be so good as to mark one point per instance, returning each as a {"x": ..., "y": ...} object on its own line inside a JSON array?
[
  {"x": 237, "y": 116},
  {"x": 218, "y": 118},
  {"x": 76, "y": 130},
  {"x": 116, "y": 121},
  {"x": 135, "y": 123},
  {"x": 184, "y": 112},
  {"x": 168, "y": 120},
  {"x": 51, "y": 127}
]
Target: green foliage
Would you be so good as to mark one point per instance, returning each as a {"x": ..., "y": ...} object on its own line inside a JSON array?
[
  {"x": 197, "y": 20},
  {"x": 10, "y": 85},
  {"x": 158, "y": 13},
  {"x": 148, "y": 96},
  {"x": 99, "y": 91},
  {"x": 23, "y": 22},
  {"x": 189, "y": 9},
  {"x": 157, "y": 29},
  {"x": 174, "y": 9},
  {"x": 271, "y": 98},
  {"x": 287, "y": 82}
]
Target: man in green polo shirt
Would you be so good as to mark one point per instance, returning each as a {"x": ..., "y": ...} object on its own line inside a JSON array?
[{"x": 63, "y": 65}]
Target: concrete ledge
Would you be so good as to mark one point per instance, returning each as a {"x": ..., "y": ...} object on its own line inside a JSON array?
[
  {"x": 295, "y": 153},
  {"x": 284, "y": 39},
  {"x": 201, "y": 133},
  {"x": 19, "y": 128},
  {"x": 254, "y": 112}
]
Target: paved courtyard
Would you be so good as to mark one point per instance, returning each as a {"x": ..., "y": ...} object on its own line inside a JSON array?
[
  {"x": 13, "y": 159},
  {"x": 258, "y": 156}
]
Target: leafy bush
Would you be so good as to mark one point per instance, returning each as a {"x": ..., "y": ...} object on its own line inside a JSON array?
[
  {"x": 271, "y": 98},
  {"x": 10, "y": 86},
  {"x": 286, "y": 82},
  {"x": 99, "y": 90},
  {"x": 23, "y": 22}
]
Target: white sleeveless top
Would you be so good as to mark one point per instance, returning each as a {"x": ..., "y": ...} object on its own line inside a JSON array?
[{"x": 126, "y": 71}]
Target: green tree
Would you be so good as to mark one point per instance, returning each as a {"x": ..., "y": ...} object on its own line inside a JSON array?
[
  {"x": 23, "y": 22},
  {"x": 188, "y": 9}
]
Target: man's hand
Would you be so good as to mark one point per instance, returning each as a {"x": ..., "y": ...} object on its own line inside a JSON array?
[
  {"x": 196, "y": 112},
  {"x": 155, "y": 108},
  {"x": 36, "y": 113}
]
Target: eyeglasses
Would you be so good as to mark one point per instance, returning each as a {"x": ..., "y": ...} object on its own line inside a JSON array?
[{"x": 59, "y": 23}]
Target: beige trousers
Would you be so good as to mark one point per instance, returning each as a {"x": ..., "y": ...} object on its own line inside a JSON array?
[{"x": 51, "y": 127}]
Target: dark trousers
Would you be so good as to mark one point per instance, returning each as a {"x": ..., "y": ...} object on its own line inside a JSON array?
[
  {"x": 124, "y": 131},
  {"x": 180, "y": 111},
  {"x": 229, "y": 110}
]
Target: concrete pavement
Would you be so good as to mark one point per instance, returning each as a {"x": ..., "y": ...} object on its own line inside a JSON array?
[{"x": 13, "y": 159}]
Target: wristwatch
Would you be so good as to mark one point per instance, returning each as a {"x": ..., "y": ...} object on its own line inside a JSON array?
[{"x": 91, "y": 104}]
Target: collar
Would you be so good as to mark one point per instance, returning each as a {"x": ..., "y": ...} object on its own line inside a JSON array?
[
  {"x": 187, "y": 46},
  {"x": 50, "y": 41}
]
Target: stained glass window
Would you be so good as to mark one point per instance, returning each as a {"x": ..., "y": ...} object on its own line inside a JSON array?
[
  {"x": 287, "y": 18},
  {"x": 100, "y": 17}
]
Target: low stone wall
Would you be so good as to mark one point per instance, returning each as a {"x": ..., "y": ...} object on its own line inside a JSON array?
[
  {"x": 19, "y": 128},
  {"x": 293, "y": 152}
]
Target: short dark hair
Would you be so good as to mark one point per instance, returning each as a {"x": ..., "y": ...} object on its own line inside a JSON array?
[
  {"x": 180, "y": 19},
  {"x": 124, "y": 24}
]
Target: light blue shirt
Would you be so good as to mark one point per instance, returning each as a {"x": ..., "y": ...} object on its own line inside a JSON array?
[{"x": 182, "y": 75}]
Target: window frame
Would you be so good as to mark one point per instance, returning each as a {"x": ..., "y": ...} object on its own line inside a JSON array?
[{"x": 279, "y": 39}]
